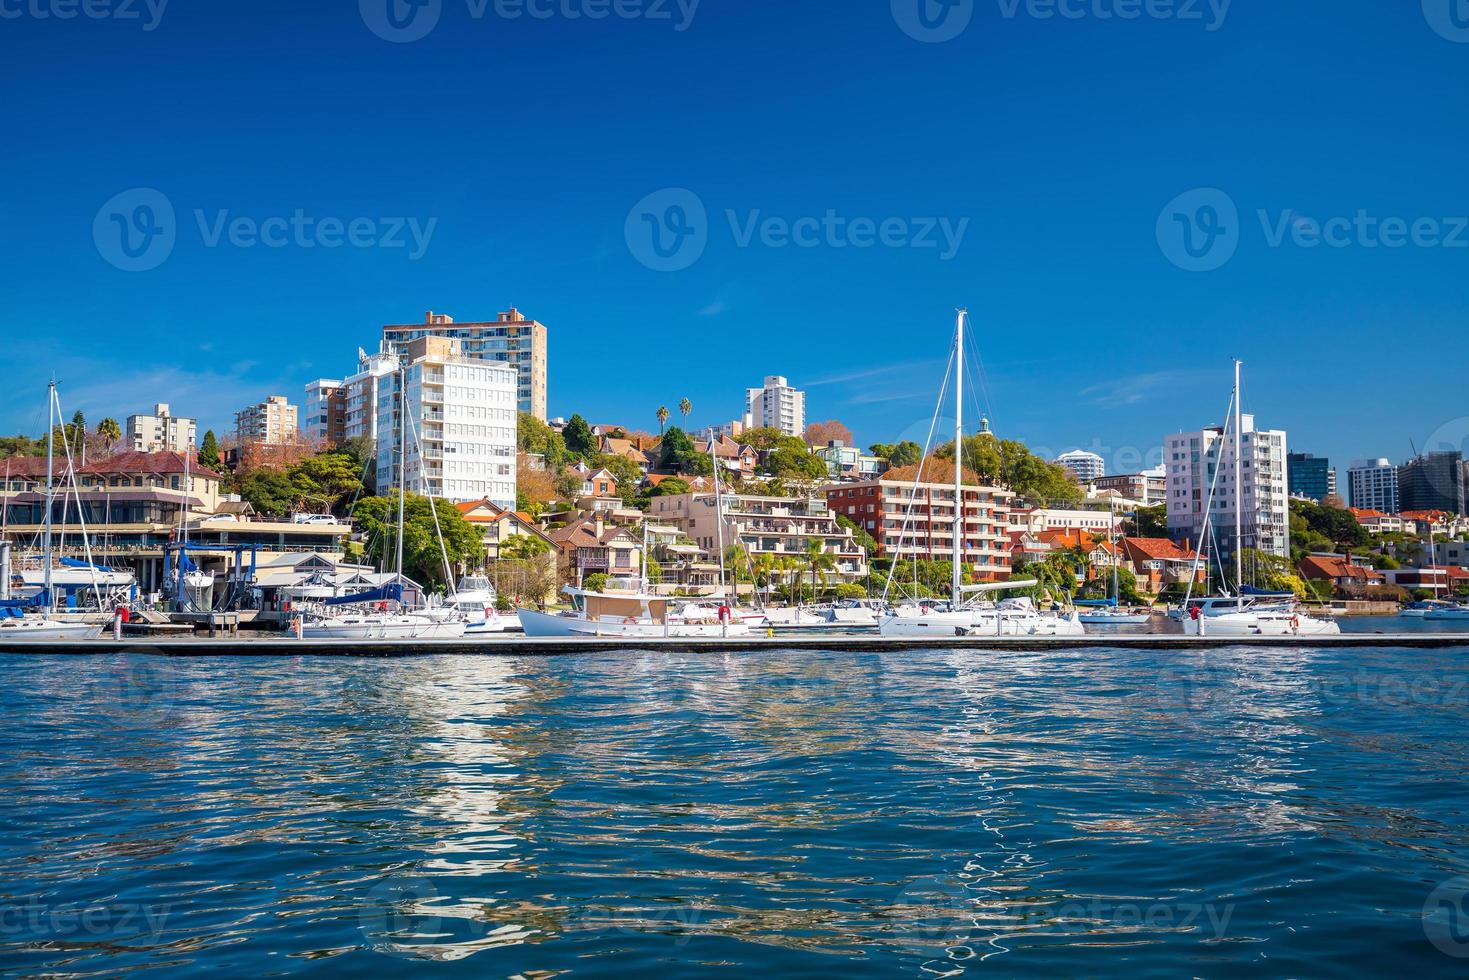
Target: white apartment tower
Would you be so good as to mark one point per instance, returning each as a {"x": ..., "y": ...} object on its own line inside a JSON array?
[
  {"x": 161, "y": 432},
  {"x": 1083, "y": 465},
  {"x": 362, "y": 392},
  {"x": 461, "y": 432},
  {"x": 1373, "y": 485},
  {"x": 272, "y": 422},
  {"x": 776, "y": 406},
  {"x": 1193, "y": 458}
]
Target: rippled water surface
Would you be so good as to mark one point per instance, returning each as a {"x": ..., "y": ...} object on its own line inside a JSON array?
[{"x": 1106, "y": 812}]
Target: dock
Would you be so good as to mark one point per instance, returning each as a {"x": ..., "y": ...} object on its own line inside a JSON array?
[{"x": 516, "y": 645}]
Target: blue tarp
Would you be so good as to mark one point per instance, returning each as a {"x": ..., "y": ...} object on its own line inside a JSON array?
[
  {"x": 1095, "y": 602},
  {"x": 391, "y": 591},
  {"x": 1268, "y": 593}
]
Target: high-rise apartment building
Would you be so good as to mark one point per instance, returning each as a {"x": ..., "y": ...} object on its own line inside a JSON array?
[
  {"x": 1193, "y": 459},
  {"x": 510, "y": 338},
  {"x": 776, "y": 405},
  {"x": 161, "y": 432},
  {"x": 1085, "y": 466},
  {"x": 272, "y": 422},
  {"x": 323, "y": 415},
  {"x": 1434, "y": 481},
  {"x": 1372, "y": 484},
  {"x": 361, "y": 392},
  {"x": 461, "y": 424},
  {"x": 1309, "y": 477}
]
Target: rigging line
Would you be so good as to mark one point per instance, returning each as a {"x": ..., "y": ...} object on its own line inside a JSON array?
[
  {"x": 918, "y": 478},
  {"x": 1206, "y": 532},
  {"x": 982, "y": 389},
  {"x": 432, "y": 505}
]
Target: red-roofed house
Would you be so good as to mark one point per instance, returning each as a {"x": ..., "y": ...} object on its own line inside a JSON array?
[
  {"x": 1159, "y": 563},
  {"x": 499, "y": 525},
  {"x": 589, "y": 545},
  {"x": 1340, "y": 571},
  {"x": 1376, "y": 522}
]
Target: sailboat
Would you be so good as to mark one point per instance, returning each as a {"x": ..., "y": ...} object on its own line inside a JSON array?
[
  {"x": 638, "y": 613},
  {"x": 373, "y": 620},
  {"x": 1252, "y": 615},
  {"x": 965, "y": 613},
  {"x": 18, "y": 623},
  {"x": 1107, "y": 612}
]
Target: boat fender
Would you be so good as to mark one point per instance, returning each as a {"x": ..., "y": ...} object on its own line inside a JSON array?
[{"x": 629, "y": 621}]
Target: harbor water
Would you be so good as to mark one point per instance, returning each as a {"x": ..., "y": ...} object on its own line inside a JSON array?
[{"x": 1102, "y": 812}]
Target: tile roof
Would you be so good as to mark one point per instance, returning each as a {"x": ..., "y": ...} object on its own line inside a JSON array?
[
  {"x": 1156, "y": 549},
  {"x": 126, "y": 463},
  {"x": 1335, "y": 567}
]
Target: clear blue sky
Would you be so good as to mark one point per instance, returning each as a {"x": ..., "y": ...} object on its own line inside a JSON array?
[{"x": 529, "y": 141}]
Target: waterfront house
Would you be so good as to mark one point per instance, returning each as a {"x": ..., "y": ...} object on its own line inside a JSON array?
[
  {"x": 498, "y": 525},
  {"x": 1158, "y": 563},
  {"x": 1344, "y": 574},
  {"x": 589, "y": 545}
]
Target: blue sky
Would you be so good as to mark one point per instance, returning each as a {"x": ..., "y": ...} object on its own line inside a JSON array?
[{"x": 1072, "y": 152}]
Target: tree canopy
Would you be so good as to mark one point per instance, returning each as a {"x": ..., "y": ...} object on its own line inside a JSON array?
[
  {"x": 791, "y": 459},
  {"x": 1010, "y": 464},
  {"x": 904, "y": 453},
  {"x": 422, "y": 560},
  {"x": 578, "y": 437}
]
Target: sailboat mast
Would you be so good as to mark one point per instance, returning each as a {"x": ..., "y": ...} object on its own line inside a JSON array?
[
  {"x": 718, "y": 514},
  {"x": 1239, "y": 495},
  {"x": 402, "y": 462},
  {"x": 958, "y": 562},
  {"x": 50, "y": 486}
]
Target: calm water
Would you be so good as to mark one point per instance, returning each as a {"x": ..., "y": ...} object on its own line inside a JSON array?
[{"x": 942, "y": 813}]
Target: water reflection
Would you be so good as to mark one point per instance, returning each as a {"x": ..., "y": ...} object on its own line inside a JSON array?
[{"x": 941, "y": 811}]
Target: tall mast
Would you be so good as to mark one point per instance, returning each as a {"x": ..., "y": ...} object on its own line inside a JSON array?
[
  {"x": 402, "y": 461},
  {"x": 958, "y": 562},
  {"x": 50, "y": 487},
  {"x": 1239, "y": 495},
  {"x": 718, "y": 514}
]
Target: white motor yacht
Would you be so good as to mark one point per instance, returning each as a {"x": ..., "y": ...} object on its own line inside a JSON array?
[{"x": 636, "y": 615}]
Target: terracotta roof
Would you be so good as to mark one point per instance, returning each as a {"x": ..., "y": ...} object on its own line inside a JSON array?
[
  {"x": 1425, "y": 515},
  {"x": 1156, "y": 549},
  {"x": 1068, "y": 538},
  {"x": 936, "y": 469},
  {"x": 1360, "y": 513},
  {"x": 1334, "y": 567},
  {"x": 583, "y": 533}
]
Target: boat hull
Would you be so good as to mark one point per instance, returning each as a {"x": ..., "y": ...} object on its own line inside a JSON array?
[
  {"x": 538, "y": 624},
  {"x": 406, "y": 628},
  {"x": 20, "y": 631},
  {"x": 967, "y": 623},
  {"x": 1249, "y": 624}
]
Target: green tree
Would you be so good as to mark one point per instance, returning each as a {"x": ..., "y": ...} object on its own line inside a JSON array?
[
  {"x": 271, "y": 492},
  {"x": 330, "y": 479},
  {"x": 818, "y": 562},
  {"x": 110, "y": 433},
  {"x": 678, "y": 455},
  {"x": 423, "y": 562},
  {"x": 536, "y": 437},
  {"x": 1101, "y": 587},
  {"x": 662, "y": 414},
  {"x": 792, "y": 459},
  {"x": 596, "y": 582},
  {"x": 1008, "y": 463},
  {"x": 859, "y": 534},
  {"x": 670, "y": 487},
  {"x": 524, "y": 547},
  {"x": 762, "y": 438},
  {"x": 1151, "y": 522},
  {"x": 209, "y": 452},
  {"x": 578, "y": 437},
  {"x": 685, "y": 408},
  {"x": 905, "y": 453}
]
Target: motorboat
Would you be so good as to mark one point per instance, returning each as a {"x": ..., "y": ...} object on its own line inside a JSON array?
[
  {"x": 1421, "y": 608},
  {"x": 1111, "y": 615},
  {"x": 635, "y": 615},
  {"x": 1448, "y": 612},
  {"x": 474, "y": 601}
]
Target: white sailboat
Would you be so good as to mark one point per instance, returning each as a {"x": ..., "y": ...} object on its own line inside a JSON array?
[
  {"x": 372, "y": 620},
  {"x": 965, "y": 614},
  {"x": 1248, "y": 618},
  {"x": 1111, "y": 613},
  {"x": 19, "y": 624}
]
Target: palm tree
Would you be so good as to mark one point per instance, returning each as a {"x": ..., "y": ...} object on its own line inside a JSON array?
[
  {"x": 110, "y": 433},
  {"x": 735, "y": 556},
  {"x": 685, "y": 408},
  {"x": 663, "y": 414},
  {"x": 819, "y": 561}
]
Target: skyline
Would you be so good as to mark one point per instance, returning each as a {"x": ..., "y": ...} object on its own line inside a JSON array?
[{"x": 855, "y": 182}]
